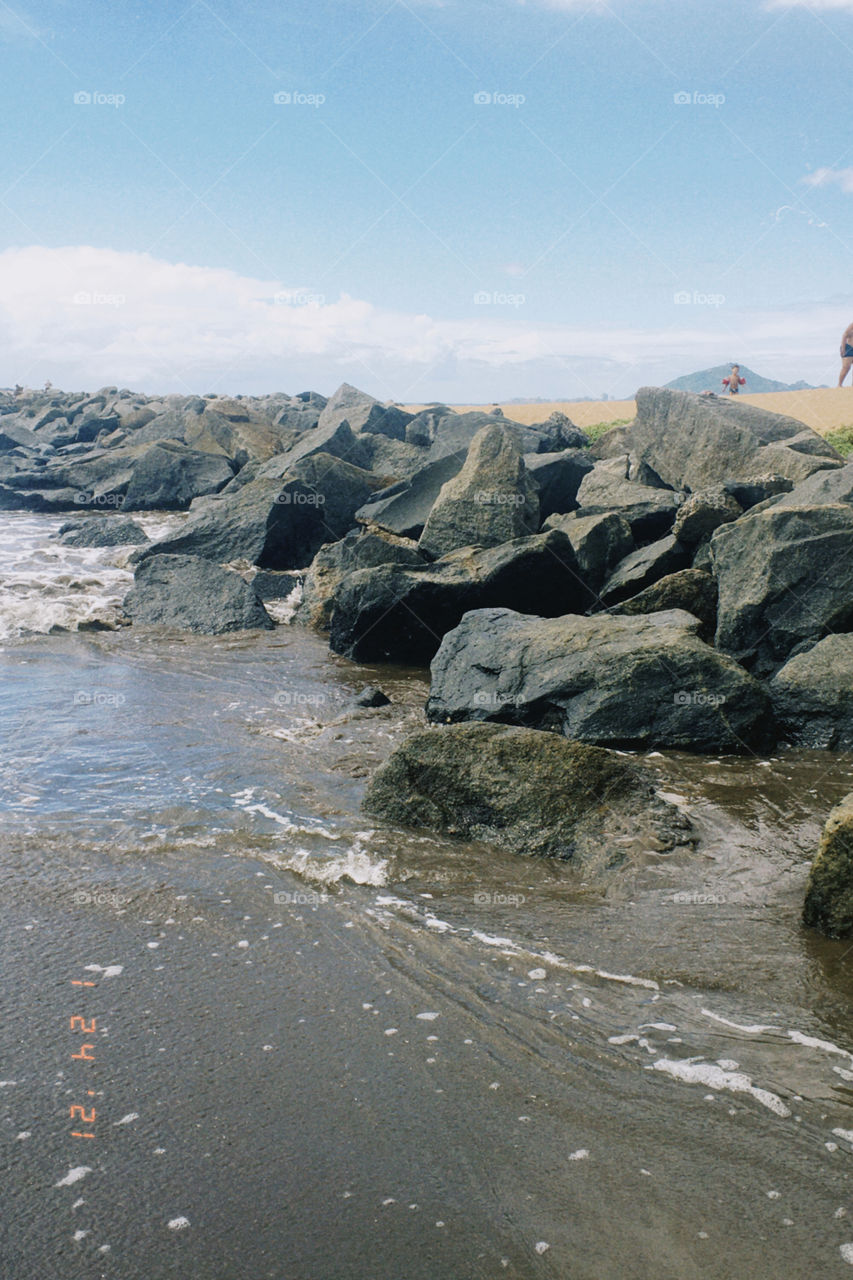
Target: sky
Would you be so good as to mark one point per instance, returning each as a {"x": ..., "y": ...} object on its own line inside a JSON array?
[{"x": 453, "y": 200}]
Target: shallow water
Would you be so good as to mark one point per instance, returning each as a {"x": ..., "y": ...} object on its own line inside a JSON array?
[{"x": 647, "y": 1077}]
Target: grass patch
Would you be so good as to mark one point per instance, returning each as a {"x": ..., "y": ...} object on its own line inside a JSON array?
[
  {"x": 841, "y": 439},
  {"x": 601, "y": 428}
]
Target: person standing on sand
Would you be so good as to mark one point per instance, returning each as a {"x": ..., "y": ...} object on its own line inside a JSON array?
[
  {"x": 846, "y": 353},
  {"x": 734, "y": 381}
]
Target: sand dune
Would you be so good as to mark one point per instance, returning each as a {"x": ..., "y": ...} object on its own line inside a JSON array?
[{"x": 824, "y": 410}]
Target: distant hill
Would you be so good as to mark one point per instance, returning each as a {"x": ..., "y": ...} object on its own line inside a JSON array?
[{"x": 712, "y": 379}]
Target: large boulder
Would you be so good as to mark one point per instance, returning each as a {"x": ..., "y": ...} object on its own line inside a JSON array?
[
  {"x": 102, "y": 531},
  {"x": 403, "y": 508},
  {"x": 363, "y": 413},
  {"x": 649, "y": 511},
  {"x": 192, "y": 594},
  {"x": 631, "y": 682},
  {"x": 822, "y": 487},
  {"x": 599, "y": 542},
  {"x": 694, "y": 441},
  {"x": 689, "y": 589},
  {"x": 491, "y": 500},
  {"x": 813, "y": 695},
  {"x": 644, "y": 567},
  {"x": 829, "y": 892},
  {"x": 703, "y": 512},
  {"x": 168, "y": 476},
  {"x": 396, "y": 613},
  {"x": 454, "y": 432},
  {"x": 559, "y": 432},
  {"x": 532, "y": 793},
  {"x": 785, "y": 577},
  {"x": 558, "y": 477},
  {"x": 335, "y": 439},
  {"x": 275, "y": 523},
  {"x": 362, "y": 549}
]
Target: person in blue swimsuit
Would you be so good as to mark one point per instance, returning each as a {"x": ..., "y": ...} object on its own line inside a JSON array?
[{"x": 846, "y": 353}]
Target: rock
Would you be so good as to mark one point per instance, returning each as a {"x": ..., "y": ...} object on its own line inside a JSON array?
[
  {"x": 239, "y": 438},
  {"x": 273, "y": 585},
  {"x": 399, "y": 614},
  {"x": 455, "y": 431},
  {"x": 491, "y": 500},
  {"x": 632, "y": 682},
  {"x": 363, "y": 549},
  {"x": 649, "y": 511},
  {"x": 192, "y": 594},
  {"x": 102, "y": 531},
  {"x": 394, "y": 460},
  {"x": 644, "y": 567},
  {"x": 558, "y": 477},
  {"x": 13, "y": 436},
  {"x": 829, "y": 892},
  {"x": 599, "y": 542},
  {"x": 168, "y": 476},
  {"x": 689, "y": 589},
  {"x": 371, "y": 696},
  {"x": 749, "y": 493},
  {"x": 785, "y": 577},
  {"x": 422, "y": 428},
  {"x": 275, "y": 524},
  {"x": 364, "y": 414},
  {"x": 531, "y": 793},
  {"x": 703, "y": 512},
  {"x": 403, "y": 508},
  {"x": 694, "y": 441},
  {"x": 820, "y": 488},
  {"x": 334, "y": 439},
  {"x": 559, "y": 432},
  {"x": 812, "y": 696}
]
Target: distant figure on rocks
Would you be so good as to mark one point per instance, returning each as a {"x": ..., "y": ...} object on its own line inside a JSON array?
[
  {"x": 846, "y": 353},
  {"x": 734, "y": 381}
]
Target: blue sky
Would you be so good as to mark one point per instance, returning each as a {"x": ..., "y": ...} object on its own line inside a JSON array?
[{"x": 459, "y": 200}]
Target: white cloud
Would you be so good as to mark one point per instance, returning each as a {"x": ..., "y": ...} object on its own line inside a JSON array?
[
  {"x": 85, "y": 317},
  {"x": 811, "y": 4},
  {"x": 831, "y": 177}
]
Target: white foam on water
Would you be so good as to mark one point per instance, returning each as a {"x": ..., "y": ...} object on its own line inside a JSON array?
[
  {"x": 74, "y": 1175},
  {"x": 846, "y": 1134},
  {"x": 306, "y": 827},
  {"x": 847, "y": 1253},
  {"x": 753, "y": 1030},
  {"x": 427, "y": 1017},
  {"x": 356, "y": 865},
  {"x": 811, "y": 1042},
  {"x": 178, "y": 1224},
  {"x": 129, "y": 1118},
  {"x": 689, "y": 1071},
  {"x": 111, "y": 971},
  {"x": 582, "y": 1154}
]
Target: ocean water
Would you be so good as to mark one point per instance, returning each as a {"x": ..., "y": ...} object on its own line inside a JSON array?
[{"x": 250, "y": 1033}]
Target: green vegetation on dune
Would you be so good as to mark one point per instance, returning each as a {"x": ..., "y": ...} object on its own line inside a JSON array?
[
  {"x": 841, "y": 439},
  {"x": 601, "y": 428}
]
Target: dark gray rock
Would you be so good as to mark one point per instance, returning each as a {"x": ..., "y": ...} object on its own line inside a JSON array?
[
  {"x": 812, "y": 696},
  {"x": 785, "y": 577},
  {"x": 362, "y": 549},
  {"x": 403, "y": 508},
  {"x": 703, "y": 512},
  {"x": 335, "y": 439},
  {"x": 558, "y": 477},
  {"x": 14, "y": 435},
  {"x": 364, "y": 414},
  {"x": 102, "y": 531},
  {"x": 422, "y": 428},
  {"x": 689, "y": 589},
  {"x": 829, "y": 892},
  {"x": 558, "y": 433},
  {"x": 600, "y": 542},
  {"x": 192, "y": 594},
  {"x": 749, "y": 493},
  {"x": 820, "y": 488},
  {"x": 694, "y": 441},
  {"x": 275, "y": 523},
  {"x": 399, "y": 614},
  {"x": 272, "y": 585},
  {"x": 644, "y": 567},
  {"x": 371, "y": 696},
  {"x": 454, "y": 433},
  {"x": 491, "y": 500},
  {"x": 633, "y": 682},
  {"x": 532, "y": 793},
  {"x": 168, "y": 476},
  {"x": 649, "y": 511}
]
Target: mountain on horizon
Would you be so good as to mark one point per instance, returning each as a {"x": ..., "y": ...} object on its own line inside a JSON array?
[{"x": 712, "y": 380}]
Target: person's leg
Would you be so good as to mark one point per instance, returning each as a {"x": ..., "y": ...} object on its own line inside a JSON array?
[{"x": 846, "y": 365}]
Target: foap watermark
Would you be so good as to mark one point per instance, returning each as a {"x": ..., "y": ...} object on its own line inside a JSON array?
[
  {"x": 295, "y": 698},
  {"x": 694, "y": 899},
  {"x": 299, "y": 298},
  {"x": 693, "y": 298},
  {"x": 497, "y": 299},
  {"x": 100, "y": 898},
  {"x": 294, "y": 98},
  {"x": 99, "y": 499},
  {"x": 299, "y": 898},
  {"x": 98, "y": 698},
  {"x": 487, "y": 498},
  {"x": 484, "y": 898},
  {"x": 698, "y": 698},
  {"x": 493, "y": 701},
  {"x": 83, "y": 98},
  {"x": 698, "y": 99},
  {"x": 85, "y": 298},
  {"x": 298, "y": 498},
  {"x": 483, "y": 99}
]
